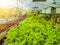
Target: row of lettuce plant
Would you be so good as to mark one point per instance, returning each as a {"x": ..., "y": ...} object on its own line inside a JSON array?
[{"x": 34, "y": 30}]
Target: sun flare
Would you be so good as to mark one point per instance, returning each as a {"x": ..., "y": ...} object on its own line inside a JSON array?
[{"x": 4, "y": 3}]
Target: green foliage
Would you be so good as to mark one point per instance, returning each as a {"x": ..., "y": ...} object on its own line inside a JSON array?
[
  {"x": 32, "y": 12},
  {"x": 34, "y": 31}
]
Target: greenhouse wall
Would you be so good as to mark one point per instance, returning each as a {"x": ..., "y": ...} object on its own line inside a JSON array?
[
  {"x": 46, "y": 10},
  {"x": 43, "y": 11},
  {"x": 58, "y": 10}
]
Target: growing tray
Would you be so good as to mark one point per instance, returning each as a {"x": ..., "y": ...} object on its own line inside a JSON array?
[{"x": 4, "y": 27}]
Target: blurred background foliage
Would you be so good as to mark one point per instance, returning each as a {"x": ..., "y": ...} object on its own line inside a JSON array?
[{"x": 11, "y": 12}]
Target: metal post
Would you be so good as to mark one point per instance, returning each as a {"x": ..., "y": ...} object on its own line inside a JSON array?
[{"x": 17, "y": 7}]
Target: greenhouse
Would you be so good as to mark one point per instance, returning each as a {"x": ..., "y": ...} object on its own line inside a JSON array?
[{"x": 29, "y": 22}]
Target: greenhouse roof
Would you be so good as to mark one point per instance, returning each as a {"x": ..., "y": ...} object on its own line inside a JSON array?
[
  {"x": 26, "y": 4},
  {"x": 30, "y": 4},
  {"x": 44, "y": 4}
]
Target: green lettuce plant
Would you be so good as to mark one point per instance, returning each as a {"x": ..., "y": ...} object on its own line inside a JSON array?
[{"x": 33, "y": 31}]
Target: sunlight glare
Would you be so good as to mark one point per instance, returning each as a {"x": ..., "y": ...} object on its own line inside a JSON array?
[{"x": 4, "y": 3}]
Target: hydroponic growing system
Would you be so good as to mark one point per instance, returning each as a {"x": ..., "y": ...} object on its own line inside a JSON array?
[{"x": 29, "y": 22}]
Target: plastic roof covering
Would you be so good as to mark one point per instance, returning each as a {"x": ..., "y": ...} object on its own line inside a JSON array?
[
  {"x": 43, "y": 5},
  {"x": 26, "y": 4}
]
